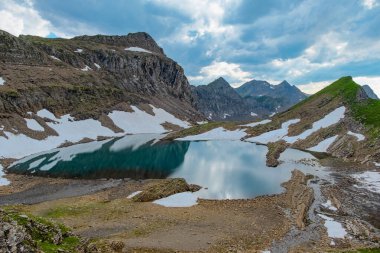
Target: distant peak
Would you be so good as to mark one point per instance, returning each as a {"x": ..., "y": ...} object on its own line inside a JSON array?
[
  {"x": 285, "y": 83},
  {"x": 220, "y": 82}
]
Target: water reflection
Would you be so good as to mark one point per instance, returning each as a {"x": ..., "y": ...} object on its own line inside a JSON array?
[{"x": 228, "y": 169}]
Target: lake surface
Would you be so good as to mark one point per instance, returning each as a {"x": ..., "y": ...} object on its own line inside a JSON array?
[{"x": 226, "y": 169}]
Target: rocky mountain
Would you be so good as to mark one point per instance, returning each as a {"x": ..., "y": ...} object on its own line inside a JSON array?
[
  {"x": 277, "y": 97},
  {"x": 370, "y": 93},
  {"x": 219, "y": 101},
  {"x": 341, "y": 120},
  {"x": 109, "y": 84}
]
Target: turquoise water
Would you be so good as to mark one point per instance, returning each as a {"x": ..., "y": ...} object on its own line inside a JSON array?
[{"x": 226, "y": 169}]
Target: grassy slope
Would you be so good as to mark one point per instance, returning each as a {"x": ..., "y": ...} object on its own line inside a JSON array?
[{"x": 366, "y": 112}]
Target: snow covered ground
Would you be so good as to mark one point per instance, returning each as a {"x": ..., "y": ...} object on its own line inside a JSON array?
[
  {"x": 257, "y": 123},
  {"x": 34, "y": 125},
  {"x": 2, "y": 81},
  {"x": 183, "y": 199},
  {"x": 323, "y": 145},
  {"x": 369, "y": 180},
  {"x": 360, "y": 137},
  {"x": 329, "y": 120},
  {"x": 20, "y": 145},
  {"x": 138, "y": 49},
  {"x": 329, "y": 205},
  {"x": 334, "y": 228},
  {"x": 274, "y": 135},
  {"x": 216, "y": 134}
]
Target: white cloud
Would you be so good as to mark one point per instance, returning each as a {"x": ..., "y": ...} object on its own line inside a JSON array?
[
  {"x": 370, "y": 4},
  {"x": 21, "y": 18},
  {"x": 371, "y": 81},
  {"x": 230, "y": 71}
]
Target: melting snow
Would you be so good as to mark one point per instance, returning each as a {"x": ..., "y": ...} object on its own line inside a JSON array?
[
  {"x": 257, "y": 123},
  {"x": 79, "y": 50},
  {"x": 34, "y": 125},
  {"x": 138, "y": 49},
  {"x": 134, "y": 141},
  {"x": 369, "y": 180},
  {"x": 360, "y": 137},
  {"x": 54, "y": 58},
  {"x": 46, "y": 114},
  {"x": 334, "y": 228},
  {"x": 133, "y": 194},
  {"x": 35, "y": 164},
  {"x": 329, "y": 205},
  {"x": 329, "y": 120},
  {"x": 3, "y": 181},
  {"x": 2, "y": 81},
  {"x": 86, "y": 68},
  {"x": 141, "y": 122},
  {"x": 183, "y": 199},
  {"x": 274, "y": 135},
  {"x": 323, "y": 145},
  {"x": 216, "y": 134}
]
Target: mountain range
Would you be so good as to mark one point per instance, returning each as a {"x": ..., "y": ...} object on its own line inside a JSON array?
[{"x": 219, "y": 101}]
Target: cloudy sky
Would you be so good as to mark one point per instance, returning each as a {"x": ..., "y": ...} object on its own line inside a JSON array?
[{"x": 307, "y": 42}]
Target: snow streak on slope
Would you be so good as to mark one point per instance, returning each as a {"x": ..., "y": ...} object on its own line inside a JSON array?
[
  {"x": 138, "y": 49},
  {"x": 323, "y": 145}
]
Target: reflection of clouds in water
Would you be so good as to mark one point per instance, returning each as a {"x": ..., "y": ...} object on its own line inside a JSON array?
[{"x": 236, "y": 169}]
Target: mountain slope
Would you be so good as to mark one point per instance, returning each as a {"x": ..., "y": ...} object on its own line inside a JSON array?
[
  {"x": 282, "y": 95},
  {"x": 340, "y": 119},
  {"x": 219, "y": 101},
  {"x": 109, "y": 84}
]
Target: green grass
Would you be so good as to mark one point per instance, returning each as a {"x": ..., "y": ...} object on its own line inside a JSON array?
[
  {"x": 363, "y": 251},
  {"x": 69, "y": 244}
]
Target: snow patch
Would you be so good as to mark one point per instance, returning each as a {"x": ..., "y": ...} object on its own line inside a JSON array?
[
  {"x": 183, "y": 199},
  {"x": 360, "y": 137},
  {"x": 34, "y": 125},
  {"x": 86, "y": 68},
  {"x": 377, "y": 164},
  {"x": 35, "y": 164},
  {"x": 78, "y": 50},
  {"x": 274, "y": 135},
  {"x": 334, "y": 228},
  {"x": 257, "y": 123},
  {"x": 329, "y": 205},
  {"x": 216, "y": 134},
  {"x": 202, "y": 122},
  {"x": 329, "y": 120},
  {"x": 254, "y": 114},
  {"x": 97, "y": 66},
  {"x": 134, "y": 141},
  {"x": 3, "y": 181},
  {"x": 141, "y": 122},
  {"x": 54, "y": 58},
  {"x": 225, "y": 115},
  {"x": 2, "y": 81},
  {"x": 133, "y": 194},
  {"x": 138, "y": 49},
  {"x": 46, "y": 114},
  {"x": 369, "y": 180},
  {"x": 323, "y": 145}
]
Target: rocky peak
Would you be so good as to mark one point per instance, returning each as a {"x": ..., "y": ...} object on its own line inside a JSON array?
[
  {"x": 220, "y": 83},
  {"x": 285, "y": 84},
  {"x": 139, "y": 39}
]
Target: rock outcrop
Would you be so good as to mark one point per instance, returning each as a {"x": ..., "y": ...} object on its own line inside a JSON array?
[{"x": 274, "y": 151}]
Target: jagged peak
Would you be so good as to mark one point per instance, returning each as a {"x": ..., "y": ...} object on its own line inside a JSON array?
[{"x": 220, "y": 82}]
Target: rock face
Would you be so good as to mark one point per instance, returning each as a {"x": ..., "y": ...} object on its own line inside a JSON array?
[
  {"x": 277, "y": 98},
  {"x": 89, "y": 75},
  {"x": 274, "y": 151},
  {"x": 219, "y": 101},
  {"x": 370, "y": 93}
]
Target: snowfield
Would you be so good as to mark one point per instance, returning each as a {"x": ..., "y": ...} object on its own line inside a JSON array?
[
  {"x": 360, "y": 137},
  {"x": 324, "y": 145},
  {"x": 257, "y": 123},
  {"x": 329, "y": 120},
  {"x": 138, "y": 49},
  {"x": 20, "y": 145},
  {"x": 275, "y": 135},
  {"x": 183, "y": 199},
  {"x": 334, "y": 228},
  {"x": 34, "y": 125},
  {"x": 216, "y": 134}
]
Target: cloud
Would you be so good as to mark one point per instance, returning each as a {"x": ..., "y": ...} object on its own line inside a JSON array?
[
  {"x": 232, "y": 72},
  {"x": 313, "y": 87},
  {"x": 370, "y": 4},
  {"x": 22, "y": 18}
]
